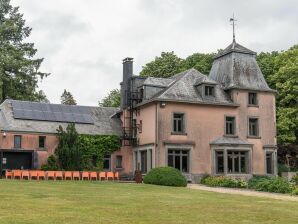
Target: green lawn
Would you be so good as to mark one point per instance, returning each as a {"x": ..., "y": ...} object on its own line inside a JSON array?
[{"x": 97, "y": 202}]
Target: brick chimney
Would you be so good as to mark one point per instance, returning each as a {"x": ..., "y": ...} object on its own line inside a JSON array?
[{"x": 125, "y": 84}]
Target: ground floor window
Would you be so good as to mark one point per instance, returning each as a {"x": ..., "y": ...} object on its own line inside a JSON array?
[
  {"x": 118, "y": 162},
  {"x": 237, "y": 162},
  {"x": 219, "y": 155},
  {"x": 144, "y": 161},
  {"x": 179, "y": 159},
  {"x": 270, "y": 163},
  {"x": 107, "y": 162}
]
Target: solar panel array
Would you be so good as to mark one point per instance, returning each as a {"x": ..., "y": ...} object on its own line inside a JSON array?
[{"x": 51, "y": 112}]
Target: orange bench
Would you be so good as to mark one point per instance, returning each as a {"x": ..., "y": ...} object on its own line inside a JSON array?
[
  {"x": 8, "y": 174},
  {"x": 25, "y": 175},
  {"x": 102, "y": 175},
  {"x": 85, "y": 175},
  {"x": 93, "y": 176},
  {"x": 58, "y": 175},
  {"x": 110, "y": 176},
  {"x": 17, "y": 174},
  {"x": 67, "y": 175},
  {"x": 76, "y": 175},
  {"x": 33, "y": 174},
  {"x": 41, "y": 174},
  {"x": 51, "y": 175},
  {"x": 116, "y": 176}
]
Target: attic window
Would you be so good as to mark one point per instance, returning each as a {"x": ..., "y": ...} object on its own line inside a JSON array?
[{"x": 209, "y": 90}]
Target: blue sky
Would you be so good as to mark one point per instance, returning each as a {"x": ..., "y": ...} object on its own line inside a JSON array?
[{"x": 84, "y": 41}]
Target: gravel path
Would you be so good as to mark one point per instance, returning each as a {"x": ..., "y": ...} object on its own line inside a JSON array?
[{"x": 243, "y": 192}]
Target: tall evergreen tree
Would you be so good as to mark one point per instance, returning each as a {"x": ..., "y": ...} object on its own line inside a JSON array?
[
  {"x": 19, "y": 70},
  {"x": 67, "y": 98}
]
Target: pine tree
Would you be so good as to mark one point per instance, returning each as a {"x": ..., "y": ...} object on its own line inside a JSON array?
[{"x": 19, "y": 70}]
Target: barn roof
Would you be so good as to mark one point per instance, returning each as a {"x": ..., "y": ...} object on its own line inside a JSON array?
[{"x": 103, "y": 121}]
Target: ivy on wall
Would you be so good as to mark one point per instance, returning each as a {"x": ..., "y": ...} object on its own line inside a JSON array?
[{"x": 83, "y": 152}]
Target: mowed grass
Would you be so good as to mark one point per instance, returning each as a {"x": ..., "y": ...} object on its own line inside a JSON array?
[{"x": 105, "y": 202}]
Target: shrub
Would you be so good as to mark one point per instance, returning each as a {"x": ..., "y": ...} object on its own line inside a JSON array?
[
  {"x": 256, "y": 179},
  {"x": 51, "y": 164},
  {"x": 223, "y": 182},
  {"x": 167, "y": 176},
  {"x": 274, "y": 184},
  {"x": 295, "y": 179},
  {"x": 295, "y": 191}
]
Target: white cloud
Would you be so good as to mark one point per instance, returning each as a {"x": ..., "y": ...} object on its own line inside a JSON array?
[{"x": 83, "y": 42}]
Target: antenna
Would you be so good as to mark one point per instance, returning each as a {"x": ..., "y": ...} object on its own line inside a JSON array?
[{"x": 233, "y": 20}]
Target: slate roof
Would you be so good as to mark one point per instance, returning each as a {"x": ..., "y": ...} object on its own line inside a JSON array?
[
  {"x": 206, "y": 80},
  {"x": 183, "y": 89},
  {"x": 236, "y": 67},
  {"x": 163, "y": 82},
  {"x": 104, "y": 122},
  {"x": 229, "y": 141},
  {"x": 235, "y": 47}
]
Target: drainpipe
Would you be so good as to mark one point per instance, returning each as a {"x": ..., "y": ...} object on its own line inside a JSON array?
[{"x": 156, "y": 135}]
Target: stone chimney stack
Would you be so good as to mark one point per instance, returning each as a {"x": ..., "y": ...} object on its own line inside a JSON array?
[{"x": 125, "y": 84}]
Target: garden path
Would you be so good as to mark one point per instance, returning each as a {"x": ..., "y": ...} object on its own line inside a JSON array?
[{"x": 243, "y": 192}]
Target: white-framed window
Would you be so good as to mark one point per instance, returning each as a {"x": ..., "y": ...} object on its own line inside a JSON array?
[
  {"x": 178, "y": 123},
  {"x": 253, "y": 127},
  {"x": 230, "y": 125}
]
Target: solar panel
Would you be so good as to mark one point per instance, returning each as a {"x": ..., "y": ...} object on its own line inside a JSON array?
[{"x": 51, "y": 112}]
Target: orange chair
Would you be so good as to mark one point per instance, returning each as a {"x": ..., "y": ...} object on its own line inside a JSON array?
[
  {"x": 58, "y": 175},
  {"x": 41, "y": 174},
  {"x": 85, "y": 175},
  {"x": 67, "y": 175},
  {"x": 25, "y": 175},
  {"x": 8, "y": 174},
  {"x": 51, "y": 175},
  {"x": 93, "y": 175},
  {"x": 102, "y": 175},
  {"x": 116, "y": 176},
  {"x": 33, "y": 174},
  {"x": 76, "y": 175},
  {"x": 110, "y": 175},
  {"x": 17, "y": 174}
]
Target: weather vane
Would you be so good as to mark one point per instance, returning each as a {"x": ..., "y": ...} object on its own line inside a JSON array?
[{"x": 233, "y": 20}]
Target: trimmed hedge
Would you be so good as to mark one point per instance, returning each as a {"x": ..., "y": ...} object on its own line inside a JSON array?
[
  {"x": 166, "y": 176},
  {"x": 222, "y": 181}
]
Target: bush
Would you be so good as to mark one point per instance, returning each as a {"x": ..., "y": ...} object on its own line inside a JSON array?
[
  {"x": 256, "y": 179},
  {"x": 295, "y": 179},
  {"x": 273, "y": 184},
  {"x": 167, "y": 176},
  {"x": 223, "y": 182},
  {"x": 295, "y": 191},
  {"x": 51, "y": 164}
]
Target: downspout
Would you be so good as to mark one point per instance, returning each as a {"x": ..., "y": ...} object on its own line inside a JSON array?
[{"x": 156, "y": 135}]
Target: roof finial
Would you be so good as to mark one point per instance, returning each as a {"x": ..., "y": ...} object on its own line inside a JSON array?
[{"x": 233, "y": 20}]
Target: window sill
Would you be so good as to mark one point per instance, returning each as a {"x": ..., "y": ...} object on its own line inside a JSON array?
[
  {"x": 42, "y": 149},
  {"x": 252, "y": 105},
  {"x": 231, "y": 136},
  {"x": 254, "y": 137},
  {"x": 119, "y": 168},
  {"x": 178, "y": 133}
]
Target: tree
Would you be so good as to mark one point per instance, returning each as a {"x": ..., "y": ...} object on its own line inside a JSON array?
[
  {"x": 285, "y": 80},
  {"x": 167, "y": 65},
  {"x": 67, "y": 98},
  {"x": 200, "y": 62},
  {"x": 112, "y": 99},
  {"x": 19, "y": 71},
  {"x": 68, "y": 153}
]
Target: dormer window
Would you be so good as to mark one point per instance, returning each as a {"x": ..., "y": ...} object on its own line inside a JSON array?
[
  {"x": 252, "y": 99},
  {"x": 209, "y": 91}
]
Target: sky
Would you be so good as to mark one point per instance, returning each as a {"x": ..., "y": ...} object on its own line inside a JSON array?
[{"x": 83, "y": 42}]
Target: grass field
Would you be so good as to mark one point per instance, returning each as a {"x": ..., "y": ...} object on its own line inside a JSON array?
[{"x": 97, "y": 202}]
